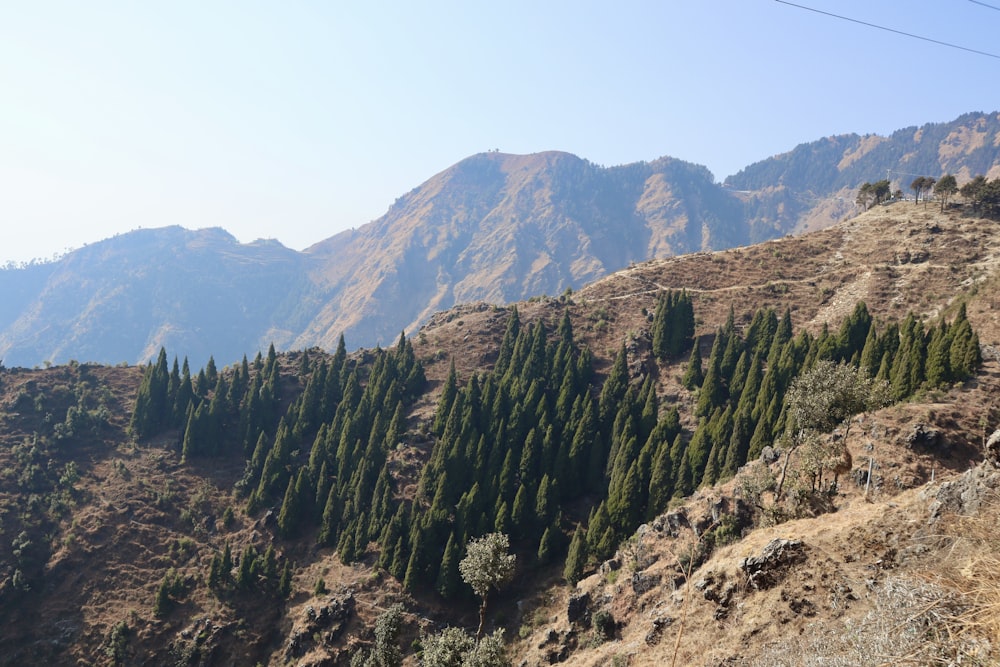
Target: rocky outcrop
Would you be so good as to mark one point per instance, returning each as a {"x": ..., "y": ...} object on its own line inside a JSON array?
[
  {"x": 966, "y": 494},
  {"x": 775, "y": 560},
  {"x": 323, "y": 624}
]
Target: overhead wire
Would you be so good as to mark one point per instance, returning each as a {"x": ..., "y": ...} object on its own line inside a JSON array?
[
  {"x": 985, "y": 5},
  {"x": 893, "y": 30}
]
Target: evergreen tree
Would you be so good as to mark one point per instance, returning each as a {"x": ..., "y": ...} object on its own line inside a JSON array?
[
  {"x": 548, "y": 546},
  {"x": 288, "y": 516},
  {"x": 713, "y": 392},
  {"x": 693, "y": 374},
  {"x": 660, "y": 480},
  {"x": 448, "y": 578},
  {"x": 285, "y": 582},
  {"x": 576, "y": 559}
]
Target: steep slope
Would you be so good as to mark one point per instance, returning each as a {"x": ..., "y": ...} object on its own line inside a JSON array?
[
  {"x": 200, "y": 292},
  {"x": 815, "y": 184},
  {"x": 499, "y": 227}
]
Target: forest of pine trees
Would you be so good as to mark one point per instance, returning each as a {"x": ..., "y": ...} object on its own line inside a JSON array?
[{"x": 536, "y": 447}]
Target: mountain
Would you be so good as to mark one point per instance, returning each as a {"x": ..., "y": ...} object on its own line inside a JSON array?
[
  {"x": 498, "y": 228},
  {"x": 493, "y": 228},
  {"x": 815, "y": 184},
  {"x": 119, "y": 509},
  {"x": 120, "y": 300}
]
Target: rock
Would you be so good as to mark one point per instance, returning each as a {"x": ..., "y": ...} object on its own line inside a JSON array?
[
  {"x": 767, "y": 569},
  {"x": 769, "y": 455},
  {"x": 327, "y": 622},
  {"x": 643, "y": 581},
  {"x": 558, "y": 654},
  {"x": 965, "y": 494},
  {"x": 923, "y": 437},
  {"x": 551, "y": 637},
  {"x": 578, "y": 607},
  {"x": 993, "y": 448},
  {"x": 660, "y": 623},
  {"x": 674, "y": 522}
]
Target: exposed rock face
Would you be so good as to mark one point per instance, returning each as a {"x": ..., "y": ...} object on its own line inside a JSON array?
[
  {"x": 325, "y": 623},
  {"x": 769, "y": 568},
  {"x": 993, "y": 448},
  {"x": 967, "y": 493}
]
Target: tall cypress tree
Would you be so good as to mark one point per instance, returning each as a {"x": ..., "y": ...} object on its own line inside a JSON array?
[{"x": 576, "y": 559}]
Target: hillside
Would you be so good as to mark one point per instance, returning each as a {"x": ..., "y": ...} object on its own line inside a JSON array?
[
  {"x": 120, "y": 300},
  {"x": 99, "y": 525},
  {"x": 501, "y": 228},
  {"x": 495, "y": 228},
  {"x": 815, "y": 183}
]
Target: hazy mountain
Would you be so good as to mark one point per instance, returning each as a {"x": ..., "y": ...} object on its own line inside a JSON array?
[
  {"x": 197, "y": 292},
  {"x": 493, "y": 228}
]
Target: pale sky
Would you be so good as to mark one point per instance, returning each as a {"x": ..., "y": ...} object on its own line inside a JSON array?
[{"x": 296, "y": 120}]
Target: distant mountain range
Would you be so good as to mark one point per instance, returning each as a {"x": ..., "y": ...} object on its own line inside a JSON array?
[{"x": 494, "y": 227}]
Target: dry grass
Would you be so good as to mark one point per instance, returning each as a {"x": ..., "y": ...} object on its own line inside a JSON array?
[{"x": 972, "y": 571}]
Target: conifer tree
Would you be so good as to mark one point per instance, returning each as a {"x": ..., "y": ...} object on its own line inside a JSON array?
[
  {"x": 548, "y": 546},
  {"x": 713, "y": 392},
  {"x": 660, "y": 480},
  {"x": 288, "y": 516},
  {"x": 938, "y": 368},
  {"x": 448, "y": 578},
  {"x": 693, "y": 373},
  {"x": 285, "y": 582},
  {"x": 576, "y": 559},
  {"x": 614, "y": 388}
]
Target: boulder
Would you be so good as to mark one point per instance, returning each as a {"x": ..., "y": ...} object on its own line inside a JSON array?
[
  {"x": 993, "y": 448},
  {"x": 923, "y": 438},
  {"x": 771, "y": 566}
]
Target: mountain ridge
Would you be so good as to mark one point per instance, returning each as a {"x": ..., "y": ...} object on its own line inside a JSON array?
[{"x": 493, "y": 227}]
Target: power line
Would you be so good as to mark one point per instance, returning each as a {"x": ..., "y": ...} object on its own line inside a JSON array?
[
  {"x": 985, "y": 5},
  {"x": 893, "y": 30}
]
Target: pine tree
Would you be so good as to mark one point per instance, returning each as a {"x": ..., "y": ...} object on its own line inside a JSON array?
[
  {"x": 660, "y": 481},
  {"x": 938, "y": 368},
  {"x": 448, "y": 579},
  {"x": 347, "y": 546},
  {"x": 713, "y": 392},
  {"x": 576, "y": 559},
  {"x": 548, "y": 546},
  {"x": 446, "y": 401},
  {"x": 285, "y": 582},
  {"x": 614, "y": 388},
  {"x": 288, "y": 517},
  {"x": 522, "y": 519},
  {"x": 693, "y": 374},
  {"x": 661, "y": 324}
]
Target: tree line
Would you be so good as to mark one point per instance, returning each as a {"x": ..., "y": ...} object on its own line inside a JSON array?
[{"x": 981, "y": 193}]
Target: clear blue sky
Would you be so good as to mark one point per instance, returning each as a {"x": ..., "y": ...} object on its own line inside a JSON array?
[{"x": 296, "y": 120}]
